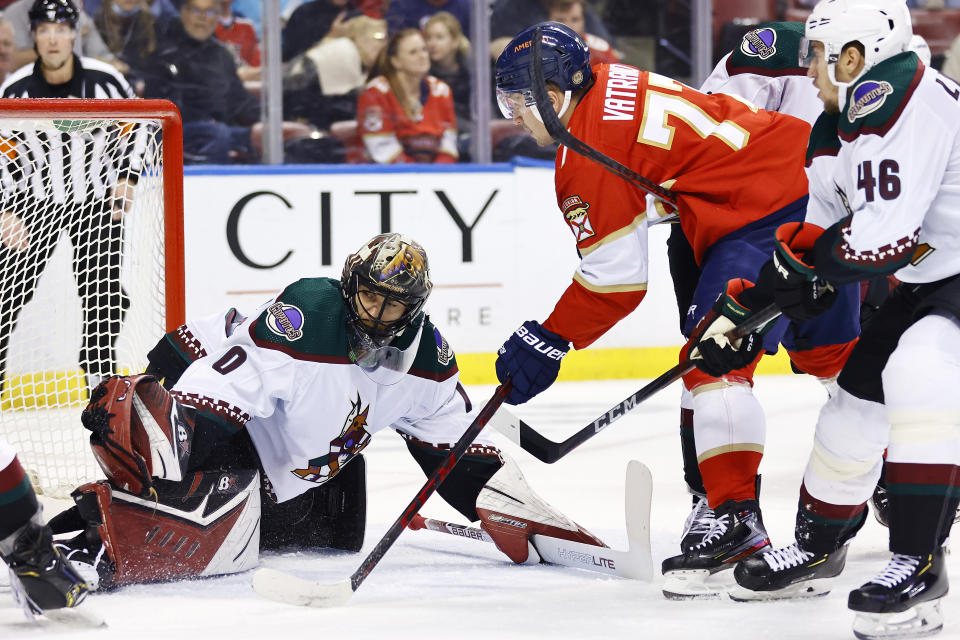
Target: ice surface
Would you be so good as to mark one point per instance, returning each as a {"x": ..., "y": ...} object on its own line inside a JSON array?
[{"x": 431, "y": 585}]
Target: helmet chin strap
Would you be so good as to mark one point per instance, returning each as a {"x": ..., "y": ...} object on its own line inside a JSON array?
[{"x": 563, "y": 108}]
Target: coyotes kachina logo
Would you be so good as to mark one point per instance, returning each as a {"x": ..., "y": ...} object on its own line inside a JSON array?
[
  {"x": 351, "y": 441},
  {"x": 575, "y": 211}
]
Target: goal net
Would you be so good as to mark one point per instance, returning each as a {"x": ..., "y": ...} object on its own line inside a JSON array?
[{"x": 91, "y": 265}]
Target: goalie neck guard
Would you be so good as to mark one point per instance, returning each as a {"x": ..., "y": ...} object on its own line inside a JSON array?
[
  {"x": 394, "y": 266},
  {"x": 566, "y": 64}
]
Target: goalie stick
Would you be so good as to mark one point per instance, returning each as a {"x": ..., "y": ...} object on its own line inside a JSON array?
[
  {"x": 283, "y": 587},
  {"x": 559, "y": 133},
  {"x": 636, "y": 562},
  {"x": 546, "y": 450}
]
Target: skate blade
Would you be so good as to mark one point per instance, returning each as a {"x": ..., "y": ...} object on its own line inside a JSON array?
[
  {"x": 806, "y": 589},
  {"x": 922, "y": 620},
  {"x": 697, "y": 584}
]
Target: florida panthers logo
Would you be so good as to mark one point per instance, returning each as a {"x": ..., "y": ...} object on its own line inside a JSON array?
[
  {"x": 575, "y": 211},
  {"x": 350, "y": 442}
]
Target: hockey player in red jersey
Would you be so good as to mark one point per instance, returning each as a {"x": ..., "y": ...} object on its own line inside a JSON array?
[
  {"x": 42, "y": 579},
  {"x": 738, "y": 173}
]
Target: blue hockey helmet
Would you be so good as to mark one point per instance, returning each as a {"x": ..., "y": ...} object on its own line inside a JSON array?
[{"x": 566, "y": 63}]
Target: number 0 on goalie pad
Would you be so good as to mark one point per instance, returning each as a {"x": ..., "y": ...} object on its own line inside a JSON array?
[{"x": 139, "y": 431}]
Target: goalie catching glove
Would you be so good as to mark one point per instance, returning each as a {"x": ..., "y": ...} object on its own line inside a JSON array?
[
  {"x": 798, "y": 292},
  {"x": 511, "y": 513},
  {"x": 711, "y": 350}
]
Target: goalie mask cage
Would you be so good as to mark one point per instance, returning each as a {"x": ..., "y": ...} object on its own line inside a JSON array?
[{"x": 64, "y": 165}]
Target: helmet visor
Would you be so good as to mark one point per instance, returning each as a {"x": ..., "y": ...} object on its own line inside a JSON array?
[{"x": 512, "y": 103}]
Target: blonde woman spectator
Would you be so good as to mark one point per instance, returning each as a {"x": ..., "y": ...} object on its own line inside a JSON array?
[
  {"x": 321, "y": 85},
  {"x": 951, "y": 65},
  {"x": 404, "y": 114},
  {"x": 449, "y": 50}
]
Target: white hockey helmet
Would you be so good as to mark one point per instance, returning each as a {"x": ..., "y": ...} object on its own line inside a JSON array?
[
  {"x": 920, "y": 47},
  {"x": 883, "y": 27}
]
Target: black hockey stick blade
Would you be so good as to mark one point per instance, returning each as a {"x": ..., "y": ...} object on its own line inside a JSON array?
[
  {"x": 559, "y": 133},
  {"x": 283, "y": 587},
  {"x": 546, "y": 450}
]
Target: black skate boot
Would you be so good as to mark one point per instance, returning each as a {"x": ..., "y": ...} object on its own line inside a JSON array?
[
  {"x": 699, "y": 522},
  {"x": 789, "y": 572},
  {"x": 881, "y": 504},
  {"x": 737, "y": 532},
  {"x": 40, "y": 575},
  {"x": 903, "y": 600}
]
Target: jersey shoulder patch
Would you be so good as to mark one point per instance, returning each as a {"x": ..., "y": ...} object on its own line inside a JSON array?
[
  {"x": 307, "y": 321},
  {"x": 769, "y": 50},
  {"x": 435, "y": 359},
  {"x": 824, "y": 139},
  {"x": 876, "y": 101}
]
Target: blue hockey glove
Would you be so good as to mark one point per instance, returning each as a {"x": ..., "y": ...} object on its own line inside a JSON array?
[{"x": 531, "y": 358}]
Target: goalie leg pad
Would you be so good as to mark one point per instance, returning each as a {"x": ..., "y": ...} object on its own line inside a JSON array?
[
  {"x": 139, "y": 431},
  {"x": 208, "y": 524},
  {"x": 511, "y": 513}
]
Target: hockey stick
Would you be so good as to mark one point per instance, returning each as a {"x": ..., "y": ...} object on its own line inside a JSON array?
[
  {"x": 636, "y": 562},
  {"x": 549, "y": 451},
  {"x": 284, "y": 587},
  {"x": 559, "y": 133}
]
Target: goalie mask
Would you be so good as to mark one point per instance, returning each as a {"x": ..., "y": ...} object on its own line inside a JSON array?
[
  {"x": 384, "y": 285},
  {"x": 566, "y": 64}
]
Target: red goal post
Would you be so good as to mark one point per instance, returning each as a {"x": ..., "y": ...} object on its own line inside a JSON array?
[{"x": 51, "y": 326}]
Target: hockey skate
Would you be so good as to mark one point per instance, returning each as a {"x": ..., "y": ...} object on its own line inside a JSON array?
[
  {"x": 881, "y": 505},
  {"x": 40, "y": 577},
  {"x": 789, "y": 572},
  {"x": 903, "y": 601},
  {"x": 699, "y": 522},
  {"x": 737, "y": 532}
]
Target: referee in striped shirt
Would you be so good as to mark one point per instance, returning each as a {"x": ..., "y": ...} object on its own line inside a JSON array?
[{"x": 78, "y": 182}]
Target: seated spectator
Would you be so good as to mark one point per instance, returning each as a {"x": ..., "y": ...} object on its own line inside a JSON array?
[
  {"x": 194, "y": 70},
  {"x": 127, "y": 28},
  {"x": 951, "y": 64},
  {"x": 571, "y": 13},
  {"x": 413, "y": 14},
  {"x": 510, "y": 17},
  {"x": 89, "y": 43},
  {"x": 240, "y": 37},
  {"x": 321, "y": 86},
  {"x": 406, "y": 115},
  {"x": 310, "y": 23},
  {"x": 449, "y": 49},
  {"x": 6, "y": 48}
]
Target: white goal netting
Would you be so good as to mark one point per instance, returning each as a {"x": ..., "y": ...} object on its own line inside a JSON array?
[{"x": 83, "y": 263}]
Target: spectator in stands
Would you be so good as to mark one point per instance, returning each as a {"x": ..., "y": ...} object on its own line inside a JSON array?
[
  {"x": 127, "y": 28},
  {"x": 572, "y": 14},
  {"x": 194, "y": 70},
  {"x": 240, "y": 37},
  {"x": 312, "y": 22},
  {"x": 413, "y": 14},
  {"x": 449, "y": 50},
  {"x": 162, "y": 11},
  {"x": 404, "y": 114},
  {"x": 7, "y": 48},
  {"x": 951, "y": 64},
  {"x": 88, "y": 42},
  {"x": 321, "y": 86},
  {"x": 509, "y": 17}
]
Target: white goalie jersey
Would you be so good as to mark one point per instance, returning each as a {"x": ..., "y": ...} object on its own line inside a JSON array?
[
  {"x": 284, "y": 374},
  {"x": 886, "y": 171}
]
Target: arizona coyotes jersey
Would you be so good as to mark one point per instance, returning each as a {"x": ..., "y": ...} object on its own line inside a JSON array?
[
  {"x": 764, "y": 69},
  {"x": 390, "y": 135},
  {"x": 891, "y": 199},
  {"x": 729, "y": 163},
  {"x": 284, "y": 374}
]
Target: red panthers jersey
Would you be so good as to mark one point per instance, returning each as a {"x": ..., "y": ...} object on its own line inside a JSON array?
[
  {"x": 728, "y": 162},
  {"x": 389, "y": 135}
]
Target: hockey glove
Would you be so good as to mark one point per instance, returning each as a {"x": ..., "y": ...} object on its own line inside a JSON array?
[
  {"x": 711, "y": 350},
  {"x": 798, "y": 292},
  {"x": 531, "y": 359}
]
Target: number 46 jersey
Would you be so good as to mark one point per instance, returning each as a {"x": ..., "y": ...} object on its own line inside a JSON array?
[{"x": 729, "y": 162}]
